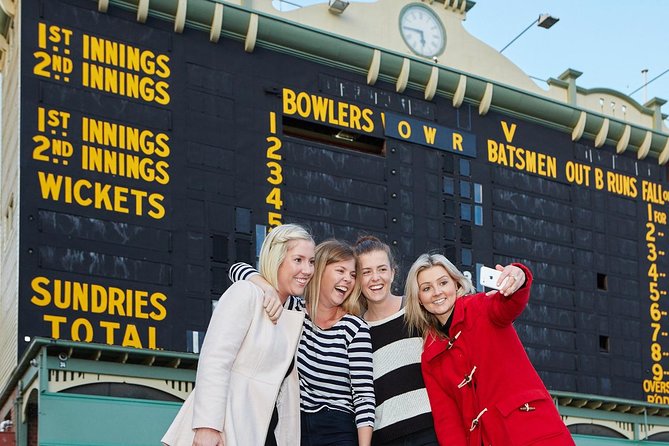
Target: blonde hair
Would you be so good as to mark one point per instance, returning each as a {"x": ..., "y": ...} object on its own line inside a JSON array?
[
  {"x": 327, "y": 252},
  {"x": 416, "y": 316},
  {"x": 274, "y": 249}
]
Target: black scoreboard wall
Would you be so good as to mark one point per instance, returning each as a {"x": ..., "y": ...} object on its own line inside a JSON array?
[{"x": 151, "y": 161}]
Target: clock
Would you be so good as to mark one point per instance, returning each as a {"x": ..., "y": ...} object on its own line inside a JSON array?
[{"x": 422, "y": 30}]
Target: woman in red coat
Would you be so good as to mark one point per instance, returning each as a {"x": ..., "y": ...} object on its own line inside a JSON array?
[{"x": 482, "y": 387}]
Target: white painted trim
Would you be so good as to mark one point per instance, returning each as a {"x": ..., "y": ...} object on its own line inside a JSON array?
[
  {"x": 180, "y": 16},
  {"x": 251, "y": 34},
  {"x": 602, "y": 134},
  {"x": 431, "y": 87},
  {"x": 216, "y": 23},
  {"x": 624, "y": 140},
  {"x": 645, "y": 146},
  {"x": 9, "y": 7},
  {"x": 403, "y": 78},
  {"x": 577, "y": 133},
  {"x": 142, "y": 11},
  {"x": 486, "y": 100},
  {"x": 664, "y": 155},
  {"x": 459, "y": 94},
  {"x": 374, "y": 68}
]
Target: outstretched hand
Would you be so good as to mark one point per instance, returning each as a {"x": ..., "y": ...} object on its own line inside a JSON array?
[{"x": 511, "y": 279}]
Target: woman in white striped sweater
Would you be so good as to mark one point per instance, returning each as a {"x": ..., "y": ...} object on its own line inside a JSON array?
[{"x": 334, "y": 357}]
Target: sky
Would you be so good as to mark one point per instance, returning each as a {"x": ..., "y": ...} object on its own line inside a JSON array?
[{"x": 609, "y": 41}]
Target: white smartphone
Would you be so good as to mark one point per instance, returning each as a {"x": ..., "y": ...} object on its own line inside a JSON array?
[{"x": 488, "y": 278}]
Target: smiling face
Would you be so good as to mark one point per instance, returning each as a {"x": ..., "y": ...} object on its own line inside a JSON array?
[
  {"x": 337, "y": 283},
  {"x": 376, "y": 275},
  {"x": 296, "y": 269},
  {"x": 437, "y": 292}
]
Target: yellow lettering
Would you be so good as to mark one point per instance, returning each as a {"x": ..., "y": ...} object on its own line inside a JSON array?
[
  {"x": 430, "y": 133},
  {"x": 110, "y": 328},
  {"x": 116, "y": 300},
  {"x": 342, "y": 114},
  {"x": 320, "y": 105},
  {"x": 44, "y": 298},
  {"x": 578, "y": 173},
  {"x": 404, "y": 129},
  {"x": 131, "y": 337},
  {"x": 326, "y": 110},
  {"x": 522, "y": 159},
  {"x": 88, "y": 330},
  {"x": 62, "y": 294},
  {"x": 124, "y": 83},
  {"x": 159, "y": 312},
  {"x": 457, "y": 142},
  {"x": 98, "y": 298},
  {"x": 492, "y": 151},
  {"x": 620, "y": 184},
  {"x": 508, "y": 131},
  {"x": 140, "y": 304},
  {"x": 356, "y": 113},
  {"x": 289, "y": 104},
  {"x": 55, "y": 324},
  {"x": 152, "y": 338},
  {"x": 369, "y": 123},
  {"x": 303, "y": 104}
]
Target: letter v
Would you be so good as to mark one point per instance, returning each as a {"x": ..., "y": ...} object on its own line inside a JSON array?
[{"x": 508, "y": 133}]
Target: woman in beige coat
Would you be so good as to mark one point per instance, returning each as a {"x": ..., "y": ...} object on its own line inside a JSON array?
[{"x": 246, "y": 375}]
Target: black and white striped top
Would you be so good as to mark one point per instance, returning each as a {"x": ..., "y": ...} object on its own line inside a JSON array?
[
  {"x": 403, "y": 408},
  {"x": 334, "y": 365}
]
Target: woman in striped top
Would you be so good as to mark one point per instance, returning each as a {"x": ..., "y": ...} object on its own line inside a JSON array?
[
  {"x": 334, "y": 357},
  {"x": 403, "y": 414}
]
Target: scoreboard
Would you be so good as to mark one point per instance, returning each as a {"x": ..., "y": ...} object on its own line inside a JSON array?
[{"x": 151, "y": 161}]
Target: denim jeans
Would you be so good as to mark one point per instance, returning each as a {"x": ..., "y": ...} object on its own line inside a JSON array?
[{"x": 329, "y": 427}]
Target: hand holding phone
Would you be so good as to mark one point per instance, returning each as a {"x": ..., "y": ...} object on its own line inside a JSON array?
[{"x": 488, "y": 278}]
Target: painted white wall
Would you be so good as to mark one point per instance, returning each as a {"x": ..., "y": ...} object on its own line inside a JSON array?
[{"x": 9, "y": 204}]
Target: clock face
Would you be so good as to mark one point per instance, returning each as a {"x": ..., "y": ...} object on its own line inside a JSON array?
[{"x": 422, "y": 30}]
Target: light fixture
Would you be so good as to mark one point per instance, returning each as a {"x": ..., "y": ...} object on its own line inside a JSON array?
[
  {"x": 337, "y": 6},
  {"x": 544, "y": 21},
  {"x": 346, "y": 136}
]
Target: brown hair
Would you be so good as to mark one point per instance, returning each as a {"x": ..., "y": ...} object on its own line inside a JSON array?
[
  {"x": 367, "y": 244},
  {"x": 327, "y": 252}
]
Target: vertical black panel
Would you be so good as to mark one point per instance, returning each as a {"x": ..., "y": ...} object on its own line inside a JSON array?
[{"x": 214, "y": 168}]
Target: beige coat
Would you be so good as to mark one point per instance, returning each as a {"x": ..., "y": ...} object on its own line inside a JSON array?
[{"x": 241, "y": 369}]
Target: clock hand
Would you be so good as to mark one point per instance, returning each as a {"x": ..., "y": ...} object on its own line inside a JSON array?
[
  {"x": 409, "y": 28},
  {"x": 419, "y": 31}
]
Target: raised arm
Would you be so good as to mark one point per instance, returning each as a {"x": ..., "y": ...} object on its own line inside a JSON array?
[
  {"x": 512, "y": 299},
  {"x": 241, "y": 271},
  {"x": 362, "y": 383},
  {"x": 271, "y": 301}
]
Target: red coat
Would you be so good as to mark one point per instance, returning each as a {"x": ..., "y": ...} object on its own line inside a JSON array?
[{"x": 505, "y": 403}]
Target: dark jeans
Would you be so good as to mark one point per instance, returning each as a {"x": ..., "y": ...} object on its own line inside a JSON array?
[
  {"x": 329, "y": 427},
  {"x": 426, "y": 437}
]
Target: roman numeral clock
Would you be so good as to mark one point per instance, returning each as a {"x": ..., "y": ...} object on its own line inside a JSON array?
[{"x": 422, "y": 30}]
